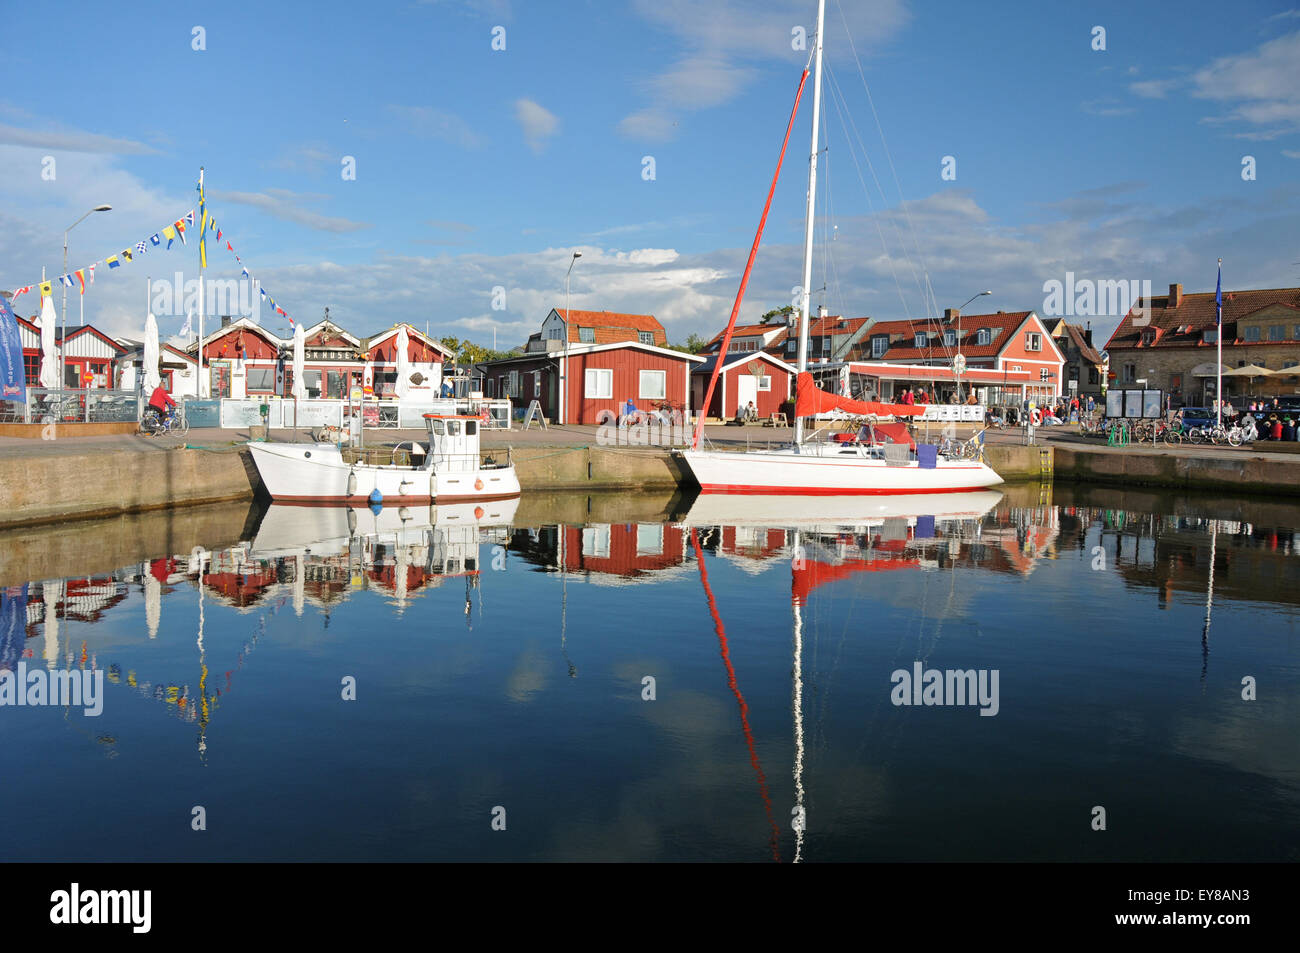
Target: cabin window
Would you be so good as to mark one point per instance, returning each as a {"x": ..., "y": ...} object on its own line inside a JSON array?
[
  {"x": 587, "y": 335},
  {"x": 984, "y": 336},
  {"x": 646, "y": 337},
  {"x": 453, "y": 428},
  {"x": 879, "y": 345},
  {"x": 1033, "y": 341},
  {"x": 653, "y": 384},
  {"x": 436, "y": 427},
  {"x": 1251, "y": 334},
  {"x": 765, "y": 382},
  {"x": 599, "y": 383},
  {"x": 471, "y": 427}
]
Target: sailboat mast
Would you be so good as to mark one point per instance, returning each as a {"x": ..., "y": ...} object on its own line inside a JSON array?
[{"x": 805, "y": 319}]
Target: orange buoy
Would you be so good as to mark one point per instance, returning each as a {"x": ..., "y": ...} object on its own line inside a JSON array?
[
  {"x": 478, "y": 484},
  {"x": 478, "y": 512}
]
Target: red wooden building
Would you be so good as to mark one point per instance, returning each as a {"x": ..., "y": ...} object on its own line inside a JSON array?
[{"x": 755, "y": 376}]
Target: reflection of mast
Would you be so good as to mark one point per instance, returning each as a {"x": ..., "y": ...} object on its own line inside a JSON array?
[
  {"x": 203, "y": 678},
  {"x": 797, "y": 703},
  {"x": 564, "y": 598},
  {"x": 1209, "y": 602},
  {"x": 735, "y": 690}
]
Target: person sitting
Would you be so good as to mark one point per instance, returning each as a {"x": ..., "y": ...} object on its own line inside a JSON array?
[
  {"x": 161, "y": 402},
  {"x": 630, "y": 412},
  {"x": 1288, "y": 430},
  {"x": 971, "y": 400},
  {"x": 751, "y": 413},
  {"x": 1274, "y": 428}
]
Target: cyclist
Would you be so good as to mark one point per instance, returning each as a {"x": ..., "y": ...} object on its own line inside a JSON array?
[{"x": 161, "y": 402}]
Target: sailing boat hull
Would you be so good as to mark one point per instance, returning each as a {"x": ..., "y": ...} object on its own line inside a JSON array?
[{"x": 815, "y": 473}]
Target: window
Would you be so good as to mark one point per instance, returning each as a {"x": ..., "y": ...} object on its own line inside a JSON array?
[
  {"x": 261, "y": 380},
  {"x": 453, "y": 428},
  {"x": 1209, "y": 335},
  {"x": 595, "y": 541},
  {"x": 791, "y": 346},
  {"x": 950, "y": 338},
  {"x": 648, "y": 337},
  {"x": 919, "y": 339},
  {"x": 653, "y": 384},
  {"x": 471, "y": 427},
  {"x": 512, "y": 384},
  {"x": 1276, "y": 332},
  {"x": 1295, "y": 333},
  {"x": 1286, "y": 364},
  {"x": 1130, "y": 373},
  {"x": 537, "y": 383},
  {"x": 1033, "y": 341},
  {"x": 765, "y": 382},
  {"x": 1250, "y": 334},
  {"x": 1176, "y": 382},
  {"x": 1093, "y": 376},
  {"x": 555, "y": 333},
  {"x": 599, "y": 383},
  {"x": 826, "y": 345},
  {"x": 649, "y": 539},
  {"x": 1149, "y": 336},
  {"x": 879, "y": 345},
  {"x": 984, "y": 336},
  {"x": 587, "y": 335},
  {"x": 32, "y": 368}
]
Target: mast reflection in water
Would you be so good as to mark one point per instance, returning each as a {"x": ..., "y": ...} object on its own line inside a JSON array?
[{"x": 633, "y": 678}]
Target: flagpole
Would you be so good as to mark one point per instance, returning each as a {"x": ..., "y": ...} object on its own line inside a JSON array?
[
  {"x": 203, "y": 225},
  {"x": 1218, "y": 337}
]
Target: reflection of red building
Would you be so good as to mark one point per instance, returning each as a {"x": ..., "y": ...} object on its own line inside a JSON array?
[
  {"x": 241, "y": 589},
  {"x": 622, "y": 549}
]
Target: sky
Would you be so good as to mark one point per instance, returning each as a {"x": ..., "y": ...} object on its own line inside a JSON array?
[{"x": 644, "y": 134}]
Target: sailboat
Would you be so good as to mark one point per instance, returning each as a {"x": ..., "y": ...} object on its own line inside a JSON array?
[{"x": 860, "y": 467}]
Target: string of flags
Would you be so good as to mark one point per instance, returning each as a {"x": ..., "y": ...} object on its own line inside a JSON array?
[
  {"x": 82, "y": 277},
  {"x": 170, "y": 234}
]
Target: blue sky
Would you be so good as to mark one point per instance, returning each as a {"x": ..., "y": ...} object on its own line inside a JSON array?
[{"x": 478, "y": 168}]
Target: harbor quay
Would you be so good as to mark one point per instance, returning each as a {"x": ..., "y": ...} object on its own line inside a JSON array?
[{"x": 96, "y": 476}]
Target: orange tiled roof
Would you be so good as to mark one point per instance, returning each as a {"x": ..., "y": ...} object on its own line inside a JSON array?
[
  {"x": 903, "y": 333},
  {"x": 1182, "y": 326},
  {"x": 610, "y": 327}
]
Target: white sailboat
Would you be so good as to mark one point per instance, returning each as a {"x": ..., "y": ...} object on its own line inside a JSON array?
[
  {"x": 826, "y": 469},
  {"x": 450, "y": 469}
]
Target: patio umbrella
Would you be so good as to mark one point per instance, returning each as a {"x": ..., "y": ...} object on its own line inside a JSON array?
[
  {"x": 49, "y": 366},
  {"x": 1250, "y": 370},
  {"x": 299, "y": 359},
  {"x": 152, "y": 378},
  {"x": 403, "y": 363}
]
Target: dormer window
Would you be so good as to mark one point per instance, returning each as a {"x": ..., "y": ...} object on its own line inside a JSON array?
[
  {"x": 984, "y": 336},
  {"x": 949, "y": 338},
  {"x": 587, "y": 335},
  {"x": 1149, "y": 336},
  {"x": 1250, "y": 334},
  {"x": 646, "y": 337},
  {"x": 919, "y": 339},
  {"x": 879, "y": 345},
  {"x": 1209, "y": 335}
]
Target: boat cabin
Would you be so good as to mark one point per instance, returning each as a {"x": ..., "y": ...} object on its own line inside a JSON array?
[{"x": 453, "y": 441}]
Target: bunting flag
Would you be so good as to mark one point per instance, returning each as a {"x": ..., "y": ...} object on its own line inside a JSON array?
[
  {"x": 81, "y": 277},
  {"x": 91, "y": 273},
  {"x": 126, "y": 254},
  {"x": 180, "y": 230},
  {"x": 113, "y": 262},
  {"x": 189, "y": 217},
  {"x": 46, "y": 289},
  {"x": 155, "y": 238},
  {"x": 21, "y": 291},
  {"x": 141, "y": 248},
  {"x": 170, "y": 234},
  {"x": 65, "y": 280},
  {"x": 203, "y": 227}
]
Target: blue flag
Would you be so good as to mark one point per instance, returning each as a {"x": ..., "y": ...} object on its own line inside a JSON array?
[
  {"x": 1218, "y": 298},
  {"x": 13, "y": 379}
]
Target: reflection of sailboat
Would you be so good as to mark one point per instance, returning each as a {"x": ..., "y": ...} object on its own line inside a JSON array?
[{"x": 710, "y": 509}]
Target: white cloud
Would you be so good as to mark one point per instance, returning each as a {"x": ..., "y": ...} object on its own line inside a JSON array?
[
  {"x": 286, "y": 205},
  {"x": 1153, "y": 88},
  {"x": 537, "y": 123},
  {"x": 70, "y": 140},
  {"x": 432, "y": 123},
  {"x": 1261, "y": 87}
]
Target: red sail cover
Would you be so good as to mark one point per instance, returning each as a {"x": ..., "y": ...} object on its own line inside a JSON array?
[{"x": 811, "y": 400}]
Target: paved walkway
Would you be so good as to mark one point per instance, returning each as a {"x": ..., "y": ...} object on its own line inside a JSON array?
[{"x": 576, "y": 436}]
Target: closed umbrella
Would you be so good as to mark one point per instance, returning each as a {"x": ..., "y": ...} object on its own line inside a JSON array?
[
  {"x": 152, "y": 379},
  {"x": 403, "y": 363},
  {"x": 299, "y": 358},
  {"x": 49, "y": 366}
]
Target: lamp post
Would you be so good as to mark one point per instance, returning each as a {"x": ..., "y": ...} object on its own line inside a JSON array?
[
  {"x": 564, "y": 366},
  {"x": 63, "y": 368},
  {"x": 959, "y": 362}
]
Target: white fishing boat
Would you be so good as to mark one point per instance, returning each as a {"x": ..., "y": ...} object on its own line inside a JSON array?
[
  {"x": 829, "y": 468},
  {"x": 449, "y": 469}
]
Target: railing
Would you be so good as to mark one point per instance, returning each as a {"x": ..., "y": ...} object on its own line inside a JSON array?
[
  {"x": 239, "y": 412},
  {"x": 72, "y": 405}
]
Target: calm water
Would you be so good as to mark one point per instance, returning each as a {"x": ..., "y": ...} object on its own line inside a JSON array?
[{"x": 500, "y": 661}]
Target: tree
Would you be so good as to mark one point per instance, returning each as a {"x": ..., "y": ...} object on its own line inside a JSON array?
[
  {"x": 781, "y": 313},
  {"x": 694, "y": 345}
]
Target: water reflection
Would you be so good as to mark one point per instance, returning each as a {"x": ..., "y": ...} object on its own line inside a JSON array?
[{"x": 807, "y": 608}]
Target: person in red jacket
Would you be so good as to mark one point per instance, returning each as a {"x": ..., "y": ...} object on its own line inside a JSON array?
[
  {"x": 1275, "y": 428},
  {"x": 161, "y": 401}
]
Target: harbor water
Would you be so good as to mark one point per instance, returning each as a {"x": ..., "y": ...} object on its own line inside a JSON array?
[{"x": 1040, "y": 674}]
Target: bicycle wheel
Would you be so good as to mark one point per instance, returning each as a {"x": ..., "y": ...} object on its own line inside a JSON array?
[
  {"x": 181, "y": 427},
  {"x": 1195, "y": 435},
  {"x": 1234, "y": 437},
  {"x": 1173, "y": 437}
]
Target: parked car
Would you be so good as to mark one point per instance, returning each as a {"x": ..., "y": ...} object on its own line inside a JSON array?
[{"x": 1198, "y": 417}]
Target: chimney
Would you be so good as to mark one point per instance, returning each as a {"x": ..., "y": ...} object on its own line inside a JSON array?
[
  {"x": 951, "y": 314},
  {"x": 821, "y": 311},
  {"x": 225, "y": 320},
  {"x": 1175, "y": 296}
]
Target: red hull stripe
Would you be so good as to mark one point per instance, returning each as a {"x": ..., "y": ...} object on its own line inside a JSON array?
[
  {"x": 743, "y": 489},
  {"x": 388, "y": 500}
]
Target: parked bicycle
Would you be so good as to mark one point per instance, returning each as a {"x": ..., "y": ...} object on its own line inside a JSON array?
[{"x": 152, "y": 424}]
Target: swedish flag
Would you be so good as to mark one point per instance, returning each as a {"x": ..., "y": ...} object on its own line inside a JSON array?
[{"x": 203, "y": 225}]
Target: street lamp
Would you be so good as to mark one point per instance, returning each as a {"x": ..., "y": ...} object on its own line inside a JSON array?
[
  {"x": 564, "y": 372},
  {"x": 959, "y": 362},
  {"x": 63, "y": 365}
]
